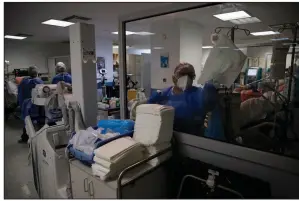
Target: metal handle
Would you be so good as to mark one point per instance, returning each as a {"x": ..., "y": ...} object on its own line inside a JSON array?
[
  {"x": 85, "y": 185},
  {"x": 122, "y": 174},
  {"x": 90, "y": 189}
]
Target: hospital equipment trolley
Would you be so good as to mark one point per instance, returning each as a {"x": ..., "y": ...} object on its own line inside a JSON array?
[{"x": 140, "y": 180}]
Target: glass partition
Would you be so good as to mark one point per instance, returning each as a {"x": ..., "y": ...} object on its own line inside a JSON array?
[{"x": 224, "y": 68}]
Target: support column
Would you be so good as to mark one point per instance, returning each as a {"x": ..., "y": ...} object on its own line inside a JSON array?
[{"x": 82, "y": 37}]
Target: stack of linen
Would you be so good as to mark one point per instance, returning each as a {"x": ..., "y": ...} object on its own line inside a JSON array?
[
  {"x": 111, "y": 158},
  {"x": 154, "y": 129}
]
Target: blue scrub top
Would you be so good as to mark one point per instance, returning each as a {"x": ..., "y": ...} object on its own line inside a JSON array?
[
  {"x": 62, "y": 77},
  {"x": 191, "y": 108}
]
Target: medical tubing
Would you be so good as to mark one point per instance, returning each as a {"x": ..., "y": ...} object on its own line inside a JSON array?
[{"x": 203, "y": 180}]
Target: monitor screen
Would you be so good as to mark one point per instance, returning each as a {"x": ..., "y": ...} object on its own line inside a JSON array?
[{"x": 252, "y": 72}]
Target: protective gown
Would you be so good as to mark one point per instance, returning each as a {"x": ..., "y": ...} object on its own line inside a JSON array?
[
  {"x": 62, "y": 77},
  {"x": 191, "y": 108}
]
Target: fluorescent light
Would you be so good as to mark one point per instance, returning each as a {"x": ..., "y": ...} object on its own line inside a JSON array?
[
  {"x": 146, "y": 51},
  {"x": 207, "y": 47},
  {"x": 247, "y": 20},
  {"x": 58, "y": 23},
  {"x": 15, "y": 37},
  {"x": 116, "y": 46},
  {"x": 158, "y": 48},
  {"x": 232, "y": 15},
  {"x": 279, "y": 39},
  {"x": 144, "y": 33},
  {"x": 127, "y": 32},
  {"x": 264, "y": 33}
]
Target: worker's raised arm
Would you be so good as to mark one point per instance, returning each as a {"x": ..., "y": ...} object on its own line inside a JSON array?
[{"x": 159, "y": 97}]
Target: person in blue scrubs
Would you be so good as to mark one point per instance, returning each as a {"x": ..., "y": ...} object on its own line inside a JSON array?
[
  {"x": 62, "y": 75},
  {"x": 24, "y": 97},
  {"x": 191, "y": 104}
]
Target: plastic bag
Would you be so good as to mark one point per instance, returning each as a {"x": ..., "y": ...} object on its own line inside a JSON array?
[
  {"x": 52, "y": 110},
  {"x": 116, "y": 125},
  {"x": 84, "y": 140},
  {"x": 224, "y": 62}
]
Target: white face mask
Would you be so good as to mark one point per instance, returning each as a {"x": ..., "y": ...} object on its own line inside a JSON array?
[{"x": 184, "y": 82}]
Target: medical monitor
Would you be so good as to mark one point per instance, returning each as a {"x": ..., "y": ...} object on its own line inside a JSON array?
[{"x": 252, "y": 72}]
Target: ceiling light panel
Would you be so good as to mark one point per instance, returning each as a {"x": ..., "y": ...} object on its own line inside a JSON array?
[
  {"x": 232, "y": 15},
  {"x": 207, "y": 47},
  {"x": 127, "y": 32},
  {"x": 248, "y": 20},
  {"x": 15, "y": 37},
  {"x": 144, "y": 33},
  {"x": 264, "y": 33},
  {"x": 116, "y": 46},
  {"x": 58, "y": 23}
]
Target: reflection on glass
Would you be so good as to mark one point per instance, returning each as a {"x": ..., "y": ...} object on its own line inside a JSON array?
[{"x": 244, "y": 100}]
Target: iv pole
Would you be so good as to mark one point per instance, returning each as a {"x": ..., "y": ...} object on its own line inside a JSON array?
[
  {"x": 294, "y": 28},
  {"x": 227, "y": 100},
  {"x": 232, "y": 31}
]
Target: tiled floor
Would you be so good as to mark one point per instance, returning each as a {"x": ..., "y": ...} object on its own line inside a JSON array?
[{"x": 18, "y": 176}]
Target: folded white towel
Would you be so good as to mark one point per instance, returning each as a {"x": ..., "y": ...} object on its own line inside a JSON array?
[
  {"x": 154, "y": 124},
  {"x": 96, "y": 171},
  {"x": 116, "y": 149},
  {"x": 103, "y": 162},
  {"x": 115, "y": 168},
  {"x": 100, "y": 168},
  {"x": 151, "y": 150}
]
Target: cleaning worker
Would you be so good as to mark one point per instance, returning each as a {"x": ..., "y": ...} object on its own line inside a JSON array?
[
  {"x": 61, "y": 75},
  {"x": 191, "y": 104},
  {"x": 24, "y": 97}
]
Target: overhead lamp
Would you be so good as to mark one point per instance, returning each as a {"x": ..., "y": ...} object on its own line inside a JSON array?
[
  {"x": 158, "y": 48},
  {"x": 264, "y": 33},
  {"x": 247, "y": 20},
  {"x": 15, "y": 37},
  {"x": 146, "y": 51},
  {"x": 58, "y": 23},
  {"x": 207, "y": 47},
  {"x": 144, "y": 33},
  {"x": 279, "y": 39},
  {"x": 127, "y": 32},
  {"x": 232, "y": 15},
  {"x": 116, "y": 46}
]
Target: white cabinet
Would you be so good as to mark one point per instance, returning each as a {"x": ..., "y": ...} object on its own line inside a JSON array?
[
  {"x": 105, "y": 193},
  {"x": 79, "y": 181},
  {"x": 86, "y": 186}
]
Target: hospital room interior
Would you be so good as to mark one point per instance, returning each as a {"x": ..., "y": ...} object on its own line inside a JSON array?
[{"x": 151, "y": 100}]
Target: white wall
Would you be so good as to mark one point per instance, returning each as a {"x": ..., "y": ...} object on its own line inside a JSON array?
[
  {"x": 182, "y": 41},
  {"x": 167, "y": 32},
  {"x": 259, "y": 51},
  {"x": 104, "y": 49},
  {"x": 135, "y": 51},
  {"x": 262, "y": 51},
  {"x": 191, "y": 45},
  {"x": 22, "y": 54}
]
